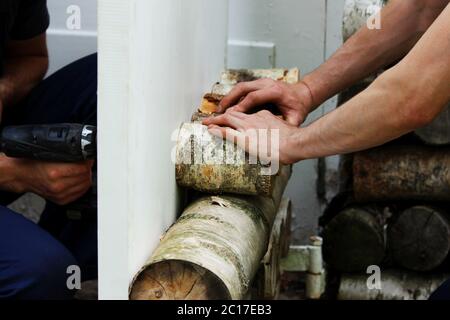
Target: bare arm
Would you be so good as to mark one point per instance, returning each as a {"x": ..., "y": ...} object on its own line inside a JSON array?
[
  {"x": 25, "y": 66},
  {"x": 403, "y": 23},
  {"x": 407, "y": 97}
]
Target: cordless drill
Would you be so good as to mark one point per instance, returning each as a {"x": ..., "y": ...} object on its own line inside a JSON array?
[{"x": 63, "y": 142}]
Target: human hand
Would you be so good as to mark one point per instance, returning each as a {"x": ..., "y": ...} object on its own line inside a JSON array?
[
  {"x": 275, "y": 137},
  {"x": 294, "y": 101},
  {"x": 61, "y": 183}
]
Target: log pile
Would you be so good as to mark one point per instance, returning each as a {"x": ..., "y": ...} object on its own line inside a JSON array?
[
  {"x": 397, "y": 217},
  {"x": 419, "y": 238},
  {"x": 395, "y": 214},
  {"x": 228, "y": 243},
  {"x": 354, "y": 239}
]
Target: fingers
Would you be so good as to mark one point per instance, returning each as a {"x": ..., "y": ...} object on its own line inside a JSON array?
[
  {"x": 65, "y": 170},
  {"x": 72, "y": 194},
  {"x": 233, "y": 120},
  {"x": 67, "y": 182},
  {"x": 241, "y": 90},
  {"x": 256, "y": 99},
  {"x": 231, "y": 135},
  {"x": 78, "y": 190},
  {"x": 294, "y": 119},
  {"x": 63, "y": 185}
]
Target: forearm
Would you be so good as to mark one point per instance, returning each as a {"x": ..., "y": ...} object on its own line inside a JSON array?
[
  {"x": 25, "y": 66},
  {"x": 370, "y": 119},
  {"x": 403, "y": 99},
  {"x": 403, "y": 23}
]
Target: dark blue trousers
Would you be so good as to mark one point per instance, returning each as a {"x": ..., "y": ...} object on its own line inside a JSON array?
[{"x": 34, "y": 258}]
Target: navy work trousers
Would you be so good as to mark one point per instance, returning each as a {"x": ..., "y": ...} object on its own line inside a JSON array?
[{"x": 34, "y": 258}]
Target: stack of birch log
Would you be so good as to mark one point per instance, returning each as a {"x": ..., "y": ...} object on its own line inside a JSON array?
[
  {"x": 396, "y": 215},
  {"x": 230, "y": 239}
]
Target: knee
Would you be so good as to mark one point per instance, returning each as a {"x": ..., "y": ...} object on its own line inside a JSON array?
[{"x": 42, "y": 275}]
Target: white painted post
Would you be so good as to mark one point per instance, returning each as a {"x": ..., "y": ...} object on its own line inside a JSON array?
[{"x": 156, "y": 59}]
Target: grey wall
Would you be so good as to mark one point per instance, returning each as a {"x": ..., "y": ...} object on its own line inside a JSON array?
[{"x": 66, "y": 45}]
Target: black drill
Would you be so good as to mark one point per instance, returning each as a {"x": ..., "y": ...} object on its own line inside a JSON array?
[{"x": 65, "y": 142}]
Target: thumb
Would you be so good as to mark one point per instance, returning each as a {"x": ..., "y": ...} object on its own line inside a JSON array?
[{"x": 294, "y": 119}]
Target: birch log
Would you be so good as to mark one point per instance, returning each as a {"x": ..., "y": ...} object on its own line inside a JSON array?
[
  {"x": 210, "y": 164},
  {"x": 419, "y": 238},
  {"x": 395, "y": 285},
  {"x": 270, "y": 273},
  {"x": 214, "y": 250},
  {"x": 210, "y": 103},
  {"x": 209, "y": 106},
  {"x": 232, "y": 77},
  {"x": 402, "y": 173},
  {"x": 354, "y": 240}
]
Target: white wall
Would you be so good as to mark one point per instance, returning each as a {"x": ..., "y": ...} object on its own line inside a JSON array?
[
  {"x": 156, "y": 59},
  {"x": 288, "y": 33},
  {"x": 67, "y": 45}
]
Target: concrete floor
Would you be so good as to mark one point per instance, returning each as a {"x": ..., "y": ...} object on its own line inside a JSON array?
[{"x": 29, "y": 205}]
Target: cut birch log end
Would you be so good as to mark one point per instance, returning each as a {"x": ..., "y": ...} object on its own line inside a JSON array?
[
  {"x": 210, "y": 164},
  {"x": 419, "y": 239},
  {"x": 178, "y": 280},
  {"x": 395, "y": 285},
  {"x": 354, "y": 240},
  {"x": 210, "y": 103},
  {"x": 402, "y": 173},
  {"x": 438, "y": 132}
]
